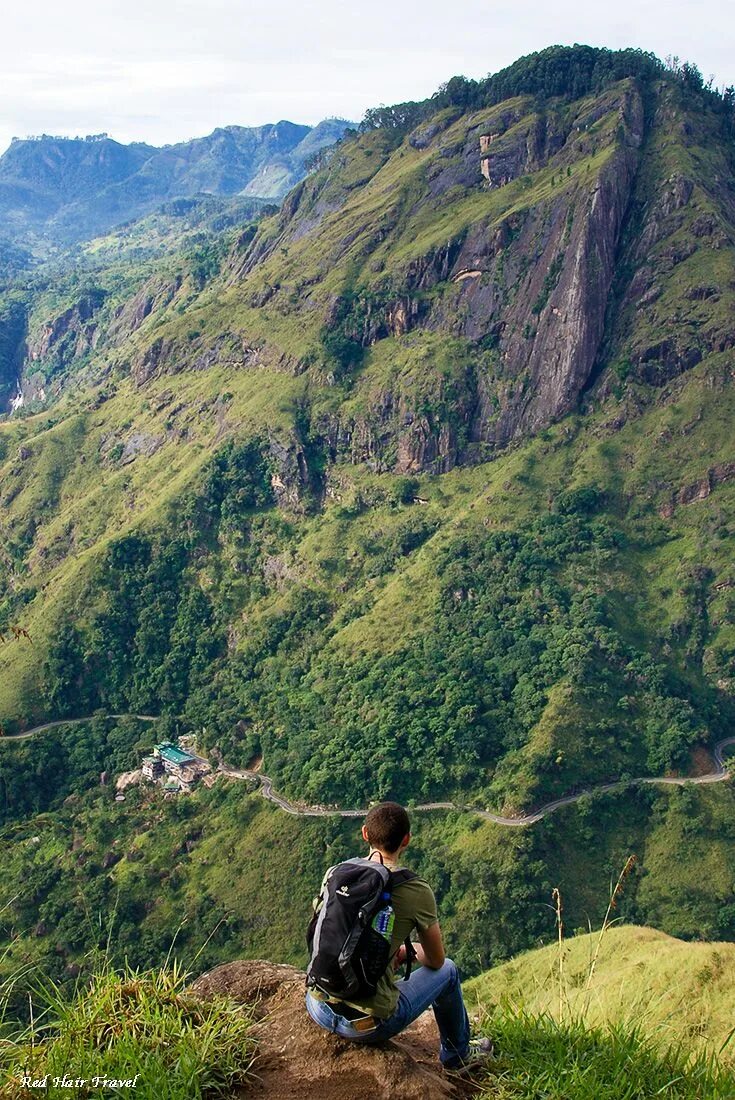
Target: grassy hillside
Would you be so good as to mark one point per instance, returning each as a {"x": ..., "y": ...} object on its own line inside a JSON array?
[
  {"x": 502, "y": 563},
  {"x": 368, "y": 375},
  {"x": 681, "y": 991},
  {"x": 128, "y": 1030},
  {"x": 163, "y": 1037}
]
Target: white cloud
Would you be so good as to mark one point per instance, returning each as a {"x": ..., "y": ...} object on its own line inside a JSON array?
[{"x": 165, "y": 71}]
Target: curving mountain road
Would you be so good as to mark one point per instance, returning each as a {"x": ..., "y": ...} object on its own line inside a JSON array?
[
  {"x": 266, "y": 789},
  {"x": 74, "y": 722},
  {"x": 266, "y": 783}
]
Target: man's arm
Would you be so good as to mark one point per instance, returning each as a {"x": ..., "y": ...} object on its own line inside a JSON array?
[{"x": 429, "y": 951}]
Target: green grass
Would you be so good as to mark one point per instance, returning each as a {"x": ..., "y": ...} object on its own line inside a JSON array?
[
  {"x": 542, "y": 1059},
  {"x": 130, "y": 1029},
  {"x": 128, "y": 1026},
  {"x": 681, "y": 992}
]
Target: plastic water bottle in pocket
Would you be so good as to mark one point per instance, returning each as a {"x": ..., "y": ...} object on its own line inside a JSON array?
[{"x": 383, "y": 922}]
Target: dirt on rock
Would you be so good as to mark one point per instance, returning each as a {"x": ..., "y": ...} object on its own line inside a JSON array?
[{"x": 297, "y": 1060}]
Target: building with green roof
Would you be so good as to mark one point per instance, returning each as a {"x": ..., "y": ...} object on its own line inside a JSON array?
[
  {"x": 173, "y": 754},
  {"x": 182, "y": 768}
]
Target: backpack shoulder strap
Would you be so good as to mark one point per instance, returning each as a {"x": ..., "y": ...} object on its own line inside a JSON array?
[
  {"x": 403, "y": 875},
  {"x": 327, "y": 875}
]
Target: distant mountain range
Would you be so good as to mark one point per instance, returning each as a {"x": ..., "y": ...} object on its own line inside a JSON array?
[{"x": 61, "y": 189}]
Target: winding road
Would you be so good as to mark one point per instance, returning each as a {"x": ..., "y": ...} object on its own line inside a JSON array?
[
  {"x": 266, "y": 783},
  {"x": 74, "y": 722},
  {"x": 266, "y": 789}
]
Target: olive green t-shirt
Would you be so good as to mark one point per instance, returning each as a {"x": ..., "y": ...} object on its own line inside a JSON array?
[{"x": 414, "y": 906}]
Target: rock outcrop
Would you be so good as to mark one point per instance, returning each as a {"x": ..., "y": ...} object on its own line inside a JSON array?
[
  {"x": 524, "y": 284},
  {"x": 296, "y": 1059},
  {"x": 154, "y": 295},
  {"x": 13, "y": 325},
  {"x": 65, "y": 339}
]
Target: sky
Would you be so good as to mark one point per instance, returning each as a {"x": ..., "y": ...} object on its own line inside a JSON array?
[{"x": 161, "y": 72}]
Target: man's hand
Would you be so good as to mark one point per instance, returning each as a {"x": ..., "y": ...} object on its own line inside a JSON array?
[
  {"x": 400, "y": 957},
  {"x": 430, "y": 952}
]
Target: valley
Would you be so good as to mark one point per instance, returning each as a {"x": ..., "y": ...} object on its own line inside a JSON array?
[{"x": 719, "y": 774}]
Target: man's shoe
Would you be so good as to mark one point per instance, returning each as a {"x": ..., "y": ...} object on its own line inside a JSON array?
[{"x": 480, "y": 1051}]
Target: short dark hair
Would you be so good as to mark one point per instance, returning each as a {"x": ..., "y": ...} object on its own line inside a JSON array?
[{"x": 386, "y": 825}]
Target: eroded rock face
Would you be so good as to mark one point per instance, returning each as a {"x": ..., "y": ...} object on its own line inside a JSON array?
[
  {"x": 667, "y": 317},
  {"x": 396, "y": 434},
  {"x": 297, "y": 1059},
  {"x": 470, "y": 295},
  {"x": 60, "y": 342},
  {"x": 13, "y": 326},
  {"x": 528, "y": 292},
  {"x": 37, "y": 361},
  {"x": 290, "y": 473},
  {"x": 533, "y": 290},
  {"x": 701, "y": 488},
  {"x": 156, "y": 294},
  {"x": 554, "y": 333},
  {"x": 71, "y": 333}
]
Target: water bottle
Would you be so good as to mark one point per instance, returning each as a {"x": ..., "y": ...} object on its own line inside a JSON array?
[{"x": 384, "y": 920}]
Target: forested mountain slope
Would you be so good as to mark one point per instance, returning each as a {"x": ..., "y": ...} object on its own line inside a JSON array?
[
  {"x": 59, "y": 190},
  {"x": 425, "y": 486}
]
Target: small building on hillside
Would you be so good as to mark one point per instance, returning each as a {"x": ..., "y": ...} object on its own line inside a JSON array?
[
  {"x": 152, "y": 767},
  {"x": 176, "y": 761},
  {"x": 172, "y": 786},
  {"x": 179, "y": 768}
]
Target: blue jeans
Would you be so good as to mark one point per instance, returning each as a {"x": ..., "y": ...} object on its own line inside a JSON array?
[{"x": 439, "y": 988}]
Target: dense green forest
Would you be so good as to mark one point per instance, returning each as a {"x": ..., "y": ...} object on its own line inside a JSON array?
[{"x": 525, "y": 629}]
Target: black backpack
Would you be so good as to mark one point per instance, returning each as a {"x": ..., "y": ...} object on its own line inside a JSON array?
[{"x": 349, "y": 951}]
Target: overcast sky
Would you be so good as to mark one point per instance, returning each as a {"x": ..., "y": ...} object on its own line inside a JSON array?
[{"x": 163, "y": 71}]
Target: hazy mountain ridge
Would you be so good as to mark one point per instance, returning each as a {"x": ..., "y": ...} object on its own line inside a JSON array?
[{"x": 67, "y": 189}]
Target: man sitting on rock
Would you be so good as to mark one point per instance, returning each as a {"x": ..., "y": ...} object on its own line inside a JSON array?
[{"x": 410, "y": 905}]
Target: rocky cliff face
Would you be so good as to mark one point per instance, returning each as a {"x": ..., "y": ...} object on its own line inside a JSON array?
[
  {"x": 674, "y": 291},
  {"x": 48, "y": 351},
  {"x": 535, "y": 243},
  {"x": 13, "y": 324},
  {"x": 69, "y": 335},
  {"x": 538, "y": 286}
]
